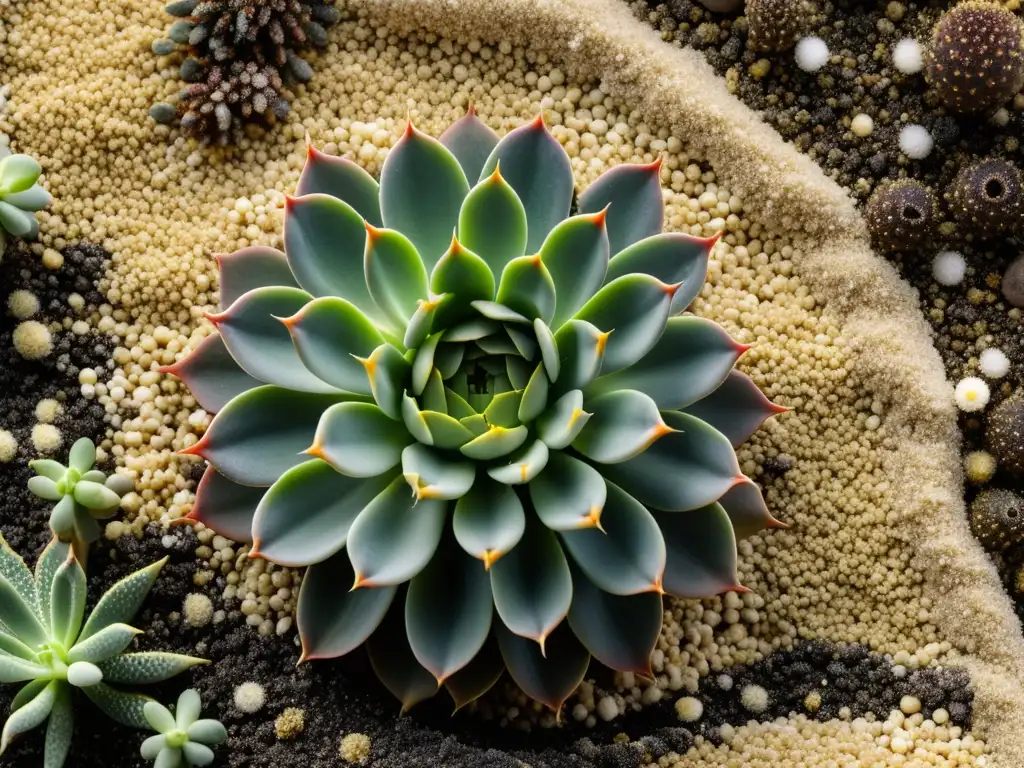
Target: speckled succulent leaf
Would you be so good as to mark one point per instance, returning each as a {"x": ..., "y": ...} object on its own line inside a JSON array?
[
  {"x": 17, "y": 670},
  {"x": 620, "y": 631},
  {"x": 67, "y": 602},
  {"x": 227, "y": 507},
  {"x": 627, "y": 555},
  {"x": 531, "y": 584},
  {"x": 60, "y": 727},
  {"x": 17, "y": 614},
  {"x": 212, "y": 375},
  {"x": 737, "y": 408},
  {"x": 392, "y": 659},
  {"x": 471, "y": 141},
  {"x": 122, "y": 601},
  {"x": 623, "y": 424},
  {"x": 701, "y": 552},
  {"x": 747, "y": 511},
  {"x": 492, "y": 222},
  {"x": 103, "y": 645},
  {"x": 18, "y": 173},
  {"x": 28, "y": 692},
  {"x": 568, "y": 494},
  {"x": 15, "y": 648},
  {"x": 16, "y": 573},
  {"x": 537, "y": 168},
  {"x": 54, "y": 554},
  {"x": 686, "y": 469},
  {"x": 416, "y": 163},
  {"x": 262, "y": 345},
  {"x": 548, "y": 677},
  {"x": 121, "y": 706},
  {"x": 257, "y": 266},
  {"x": 674, "y": 380},
  {"x": 632, "y": 194},
  {"x": 333, "y": 621},
  {"x": 30, "y": 715},
  {"x": 478, "y": 676},
  {"x": 262, "y": 433},
  {"x": 671, "y": 257},
  {"x": 395, "y": 536},
  {"x": 448, "y": 610},
  {"x": 146, "y": 667},
  {"x": 306, "y": 515},
  {"x": 341, "y": 178}
]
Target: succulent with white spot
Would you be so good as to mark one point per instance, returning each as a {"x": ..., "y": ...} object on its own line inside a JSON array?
[
  {"x": 529, "y": 379},
  {"x": 182, "y": 738},
  {"x": 83, "y": 494},
  {"x": 46, "y": 643}
]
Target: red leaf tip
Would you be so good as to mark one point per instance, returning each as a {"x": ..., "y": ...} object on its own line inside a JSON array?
[
  {"x": 600, "y": 218},
  {"x": 471, "y": 110},
  {"x": 196, "y": 449},
  {"x": 538, "y": 122}
]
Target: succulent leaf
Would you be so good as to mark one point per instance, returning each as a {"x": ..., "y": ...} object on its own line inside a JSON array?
[
  {"x": 121, "y": 602},
  {"x": 333, "y": 621},
  {"x": 206, "y": 731},
  {"x": 359, "y": 439},
  {"x": 524, "y": 465},
  {"x": 623, "y": 424},
  {"x": 433, "y": 475},
  {"x": 212, "y": 375},
  {"x": 492, "y": 222},
  {"x": 13, "y": 647},
  {"x": 671, "y": 257},
  {"x": 489, "y": 520},
  {"x": 159, "y": 717},
  {"x": 254, "y": 267},
  {"x": 82, "y": 455},
  {"x": 747, "y": 511},
  {"x": 568, "y": 494},
  {"x": 526, "y": 288},
  {"x": 701, "y": 552},
  {"x": 48, "y": 468},
  {"x": 44, "y": 488},
  {"x": 17, "y": 574},
  {"x": 53, "y": 556},
  {"x": 341, "y": 178},
  {"x": 67, "y": 602},
  {"x": 392, "y": 659},
  {"x": 18, "y": 615},
  {"x": 103, "y": 645},
  {"x": 549, "y": 677},
  {"x": 581, "y": 347},
  {"x": 415, "y": 163},
  {"x": 387, "y": 370},
  {"x": 225, "y": 506},
  {"x": 445, "y": 431},
  {"x": 736, "y": 408},
  {"x": 60, "y": 727},
  {"x": 465, "y": 277},
  {"x": 478, "y": 676},
  {"x": 30, "y": 715},
  {"x": 197, "y": 754},
  {"x": 563, "y": 420},
  {"x": 395, "y": 536},
  {"x": 146, "y": 667},
  {"x": 394, "y": 274},
  {"x": 549, "y": 351},
  {"x": 576, "y": 255},
  {"x": 95, "y": 495},
  {"x": 306, "y": 515},
  {"x": 16, "y": 670},
  {"x": 423, "y": 364},
  {"x": 632, "y": 194},
  {"x": 121, "y": 706},
  {"x": 495, "y": 443},
  {"x": 471, "y": 141},
  {"x": 35, "y": 198}
]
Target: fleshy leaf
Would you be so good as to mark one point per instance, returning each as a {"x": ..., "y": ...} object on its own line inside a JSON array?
[
  {"x": 67, "y": 602},
  {"x": 359, "y": 439},
  {"x": 18, "y": 173},
  {"x": 121, "y": 602},
  {"x": 211, "y": 374},
  {"x": 262, "y": 433},
  {"x": 105, "y": 644},
  {"x": 30, "y": 715},
  {"x": 495, "y": 442},
  {"x": 736, "y": 409},
  {"x": 471, "y": 141},
  {"x": 18, "y": 575},
  {"x": 198, "y": 755},
  {"x": 329, "y": 334},
  {"x": 306, "y": 515},
  {"x": 445, "y": 431},
  {"x": 149, "y": 667},
  {"x": 121, "y": 706},
  {"x": 159, "y": 717},
  {"x": 395, "y": 536},
  {"x": 622, "y": 425},
  {"x": 549, "y": 677},
  {"x": 464, "y": 276},
  {"x": 581, "y": 349},
  {"x": 13, "y": 647},
  {"x": 95, "y": 495},
  {"x": 683, "y": 470},
  {"x": 526, "y": 287},
  {"x": 433, "y": 475},
  {"x": 393, "y": 661},
  {"x": 261, "y": 345},
  {"x": 13, "y": 670},
  {"x": 82, "y": 455},
  {"x": 492, "y": 222},
  {"x": 690, "y": 361},
  {"x": 423, "y": 364},
  {"x": 448, "y": 612},
  {"x": 341, "y": 178},
  {"x": 627, "y": 557},
  {"x": 632, "y": 193},
  {"x": 45, "y": 488},
  {"x": 523, "y": 466},
  {"x": 471, "y": 330},
  {"x": 531, "y": 584},
  {"x": 747, "y": 511},
  {"x": 701, "y": 552},
  {"x": 60, "y": 727},
  {"x": 535, "y": 396},
  {"x": 636, "y": 308},
  {"x": 417, "y": 163},
  {"x": 620, "y": 631},
  {"x": 576, "y": 255},
  {"x": 226, "y": 507},
  {"x": 388, "y": 372},
  {"x": 489, "y": 520},
  {"x": 18, "y": 615},
  {"x": 394, "y": 273},
  {"x": 188, "y": 709},
  {"x": 569, "y": 494},
  {"x": 206, "y": 731},
  {"x": 53, "y": 556},
  {"x": 548, "y": 349},
  {"x": 333, "y": 620},
  {"x": 35, "y": 198},
  {"x": 563, "y": 420},
  {"x": 672, "y": 257},
  {"x": 537, "y": 168},
  {"x": 325, "y": 240},
  {"x": 478, "y": 677},
  {"x": 16, "y": 221},
  {"x": 254, "y": 267}
]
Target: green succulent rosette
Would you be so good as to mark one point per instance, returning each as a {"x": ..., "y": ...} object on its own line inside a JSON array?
[
  {"x": 20, "y": 196},
  {"x": 493, "y": 450}
]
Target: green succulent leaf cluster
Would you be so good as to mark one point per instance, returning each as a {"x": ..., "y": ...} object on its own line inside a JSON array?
[
  {"x": 508, "y": 441},
  {"x": 20, "y": 196},
  {"x": 83, "y": 494},
  {"x": 47, "y": 643},
  {"x": 182, "y": 738}
]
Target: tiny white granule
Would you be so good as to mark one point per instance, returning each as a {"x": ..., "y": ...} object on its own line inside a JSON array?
[
  {"x": 607, "y": 709},
  {"x": 862, "y": 125},
  {"x": 754, "y": 698},
  {"x": 994, "y": 363},
  {"x": 915, "y": 142},
  {"x": 8, "y": 446},
  {"x": 949, "y": 267},
  {"x": 689, "y": 709},
  {"x": 250, "y": 697},
  {"x": 811, "y": 54},
  {"x": 971, "y": 394},
  {"x": 907, "y": 56}
]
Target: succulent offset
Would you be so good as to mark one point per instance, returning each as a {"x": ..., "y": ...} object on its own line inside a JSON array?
[
  {"x": 514, "y": 418},
  {"x": 181, "y": 738},
  {"x": 45, "y": 644},
  {"x": 20, "y": 197},
  {"x": 83, "y": 494}
]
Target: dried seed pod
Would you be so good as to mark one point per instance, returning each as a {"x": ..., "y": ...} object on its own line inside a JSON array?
[
  {"x": 1005, "y": 434},
  {"x": 987, "y": 197},
  {"x": 776, "y": 25},
  {"x": 997, "y": 519},
  {"x": 901, "y": 214}
]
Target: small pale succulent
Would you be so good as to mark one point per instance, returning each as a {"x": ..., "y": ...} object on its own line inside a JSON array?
[
  {"x": 20, "y": 196},
  {"x": 83, "y": 494},
  {"x": 45, "y": 644},
  {"x": 182, "y": 738},
  {"x": 509, "y": 441}
]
